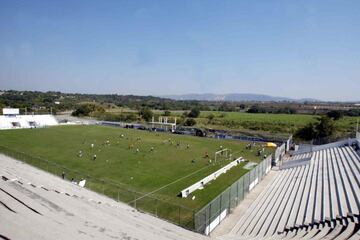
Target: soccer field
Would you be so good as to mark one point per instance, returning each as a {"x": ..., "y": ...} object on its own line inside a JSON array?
[{"x": 165, "y": 163}]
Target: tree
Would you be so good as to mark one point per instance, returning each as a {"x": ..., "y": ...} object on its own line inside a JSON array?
[
  {"x": 318, "y": 131},
  {"x": 242, "y": 106},
  {"x": 146, "y": 114},
  {"x": 194, "y": 113},
  {"x": 306, "y": 133},
  {"x": 325, "y": 127},
  {"x": 87, "y": 109},
  {"x": 189, "y": 122},
  {"x": 226, "y": 107},
  {"x": 210, "y": 117},
  {"x": 335, "y": 114},
  {"x": 256, "y": 109}
]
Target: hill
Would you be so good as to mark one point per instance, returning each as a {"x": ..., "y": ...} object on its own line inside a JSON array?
[{"x": 236, "y": 97}]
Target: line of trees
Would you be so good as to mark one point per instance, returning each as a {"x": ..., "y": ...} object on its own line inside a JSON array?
[{"x": 324, "y": 128}]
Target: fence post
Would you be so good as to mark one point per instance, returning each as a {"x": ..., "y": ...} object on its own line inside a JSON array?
[
  {"x": 103, "y": 187},
  {"x": 229, "y": 199},
  {"x": 237, "y": 192},
  {"x": 209, "y": 213},
  {"x": 156, "y": 209}
]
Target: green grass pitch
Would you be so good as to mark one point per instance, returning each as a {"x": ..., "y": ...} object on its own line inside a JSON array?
[{"x": 144, "y": 171}]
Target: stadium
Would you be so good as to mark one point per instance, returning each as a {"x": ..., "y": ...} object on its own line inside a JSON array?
[
  {"x": 179, "y": 120},
  {"x": 183, "y": 187}
]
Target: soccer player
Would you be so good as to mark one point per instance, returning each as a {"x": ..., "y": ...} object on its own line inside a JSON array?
[{"x": 94, "y": 157}]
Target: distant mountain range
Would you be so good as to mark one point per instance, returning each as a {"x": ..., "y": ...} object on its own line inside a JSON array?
[{"x": 236, "y": 97}]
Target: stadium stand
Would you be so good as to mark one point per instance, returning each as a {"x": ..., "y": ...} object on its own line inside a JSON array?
[
  {"x": 316, "y": 196},
  {"x": 297, "y": 160},
  {"x": 27, "y": 121},
  {"x": 38, "y": 205}
]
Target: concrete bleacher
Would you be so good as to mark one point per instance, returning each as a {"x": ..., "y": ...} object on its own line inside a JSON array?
[
  {"x": 26, "y": 121},
  {"x": 296, "y": 160},
  {"x": 38, "y": 205},
  {"x": 316, "y": 200}
]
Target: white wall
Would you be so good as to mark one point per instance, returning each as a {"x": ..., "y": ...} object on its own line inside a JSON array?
[{"x": 213, "y": 176}]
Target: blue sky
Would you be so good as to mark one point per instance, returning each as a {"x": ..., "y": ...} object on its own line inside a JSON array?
[{"x": 284, "y": 48}]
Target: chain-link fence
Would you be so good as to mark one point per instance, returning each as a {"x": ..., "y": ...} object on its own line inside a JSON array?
[
  {"x": 211, "y": 215},
  {"x": 174, "y": 213}
]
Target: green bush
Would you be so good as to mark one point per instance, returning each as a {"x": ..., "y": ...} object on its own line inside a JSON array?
[
  {"x": 189, "y": 122},
  {"x": 87, "y": 109}
]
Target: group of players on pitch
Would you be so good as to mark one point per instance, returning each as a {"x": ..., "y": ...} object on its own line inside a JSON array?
[{"x": 137, "y": 149}]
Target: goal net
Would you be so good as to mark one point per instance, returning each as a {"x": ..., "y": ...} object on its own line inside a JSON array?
[{"x": 224, "y": 154}]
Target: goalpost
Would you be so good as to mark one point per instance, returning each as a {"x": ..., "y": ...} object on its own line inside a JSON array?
[{"x": 223, "y": 154}]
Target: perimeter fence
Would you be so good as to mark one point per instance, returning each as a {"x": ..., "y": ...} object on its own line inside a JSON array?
[{"x": 213, "y": 213}]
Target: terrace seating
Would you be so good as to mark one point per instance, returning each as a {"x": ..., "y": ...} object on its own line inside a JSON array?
[
  {"x": 294, "y": 161},
  {"x": 46, "y": 207},
  {"x": 318, "y": 200},
  {"x": 27, "y": 121}
]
